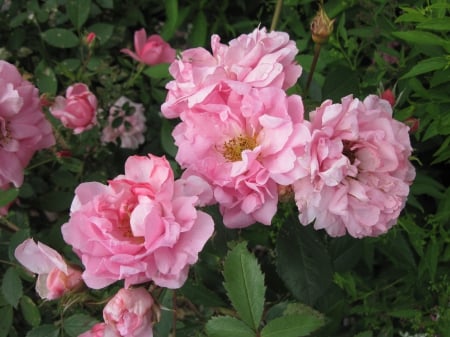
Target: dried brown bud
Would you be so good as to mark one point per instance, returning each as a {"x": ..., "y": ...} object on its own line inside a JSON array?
[{"x": 321, "y": 26}]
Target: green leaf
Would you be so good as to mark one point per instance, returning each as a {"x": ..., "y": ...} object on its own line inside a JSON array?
[
  {"x": 166, "y": 320},
  {"x": 198, "y": 35},
  {"x": 30, "y": 311},
  {"x": 167, "y": 141},
  {"x": 436, "y": 24},
  {"x": 292, "y": 326},
  {"x": 405, "y": 313},
  {"x": 340, "y": 82},
  {"x": 199, "y": 294},
  {"x": 108, "y": 4},
  {"x": 46, "y": 79},
  {"x": 12, "y": 287},
  {"x": 170, "y": 24},
  {"x": 78, "y": 11},
  {"x": 8, "y": 196},
  {"x": 426, "y": 66},
  {"x": 60, "y": 38},
  {"x": 103, "y": 31},
  {"x": 158, "y": 71},
  {"x": 6, "y": 314},
  {"x": 365, "y": 334},
  {"x": 56, "y": 201},
  {"x": 46, "y": 330},
  {"x": 77, "y": 324},
  {"x": 419, "y": 37},
  {"x": 226, "y": 326},
  {"x": 302, "y": 262},
  {"x": 244, "y": 283}
]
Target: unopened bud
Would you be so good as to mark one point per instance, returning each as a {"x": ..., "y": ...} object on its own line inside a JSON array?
[
  {"x": 321, "y": 26},
  {"x": 90, "y": 38},
  {"x": 389, "y": 96},
  {"x": 413, "y": 124}
]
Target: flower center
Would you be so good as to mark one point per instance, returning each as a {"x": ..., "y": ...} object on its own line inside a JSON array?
[
  {"x": 233, "y": 148},
  {"x": 348, "y": 152},
  {"x": 5, "y": 132}
]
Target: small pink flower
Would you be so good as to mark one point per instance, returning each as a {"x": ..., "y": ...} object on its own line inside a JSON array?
[
  {"x": 142, "y": 226},
  {"x": 359, "y": 166},
  {"x": 259, "y": 59},
  {"x": 389, "y": 96},
  {"x": 55, "y": 277},
  {"x": 129, "y": 313},
  {"x": 152, "y": 50},
  {"x": 77, "y": 110},
  {"x": 23, "y": 127},
  {"x": 132, "y": 127},
  {"x": 244, "y": 141},
  {"x": 90, "y": 38}
]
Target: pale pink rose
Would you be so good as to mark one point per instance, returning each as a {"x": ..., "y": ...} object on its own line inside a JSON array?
[
  {"x": 23, "y": 127},
  {"x": 140, "y": 227},
  {"x": 260, "y": 59},
  {"x": 150, "y": 50},
  {"x": 55, "y": 276},
  {"x": 77, "y": 110},
  {"x": 359, "y": 166},
  {"x": 243, "y": 141},
  {"x": 132, "y": 127},
  {"x": 129, "y": 313}
]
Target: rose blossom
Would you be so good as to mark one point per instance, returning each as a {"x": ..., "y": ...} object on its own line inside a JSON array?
[
  {"x": 152, "y": 50},
  {"x": 142, "y": 226},
  {"x": 260, "y": 59},
  {"x": 100, "y": 330},
  {"x": 359, "y": 168},
  {"x": 23, "y": 127},
  {"x": 244, "y": 141},
  {"x": 129, "y": 313},
  {"x": 132, "y": 127},
  {"x": 55, "y": 277},
  {"x": 77, "y": 110}
]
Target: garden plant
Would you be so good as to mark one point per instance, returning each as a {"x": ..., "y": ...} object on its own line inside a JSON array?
[{"x": 224, "y": 168}]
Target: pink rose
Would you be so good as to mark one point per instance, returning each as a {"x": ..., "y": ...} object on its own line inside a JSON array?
[
  {"x": 142, "y": 226},
  {"x": 23, "y": 127},
  {"x": 129, "y": 313},
  {"x": 152, "y": 50},
  {"x": 132, "y": 127},
  {"x": 260, "y": 59},
  {"x": 244, "y": 141},
  {"x": 77, "y": 110},
  {"x": 55, "y": 277},
  {"x": 100, "y": 330},
  {"x": 359, "y": 166}
]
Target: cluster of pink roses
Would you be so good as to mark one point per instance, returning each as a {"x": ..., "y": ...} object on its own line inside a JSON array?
[{"x": 348, "y": 164}]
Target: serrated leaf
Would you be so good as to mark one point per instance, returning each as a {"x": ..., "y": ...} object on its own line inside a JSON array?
[
  {"x": 226, "y": 326},
  {"x": 436, "y": 24},
  {"x": 12, "y": 287},
  {"x": 419, "y": 37},
  {"x": 158, "y": 71},
  {"x": 78, "y": 11},
  {"x": 302, "y": 262},
  {"x": 244, "y": 283},
  {"x": 292, "y": 326},
  {"x": 8, "y": 196},
  {"x": 60, "y": 38},
  {"x": 77, "y": 324},
  {"x": 30, "y": 311},
  {"x": 170, "y": 23},
  {"x": 426, "y": 66},
  {"x": 199, "y": 294},
  {"x": 46, "y": 79},
  {"x": 6, "y": 314},
  {"x": 198, "y": 35},
  {"x": 44, "y": 331}
]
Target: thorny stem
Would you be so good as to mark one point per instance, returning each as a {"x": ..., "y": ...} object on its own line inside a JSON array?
[
  {"x": 276, "y": 14},
  {"x": 313, "y": 66},
  {"x": 8, "y": 224},
  {"x": 174, "y": 320}
]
